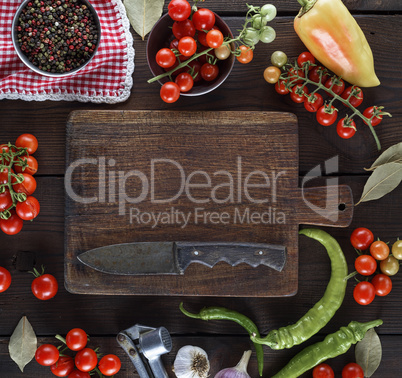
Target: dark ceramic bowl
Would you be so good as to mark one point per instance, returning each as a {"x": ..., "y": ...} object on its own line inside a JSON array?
[
  {"x": 160, "y": 37},
  {"x": 25, "y": 59}
]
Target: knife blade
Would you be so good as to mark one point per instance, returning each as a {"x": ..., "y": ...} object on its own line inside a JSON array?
[{"x": 174, "y": 257}]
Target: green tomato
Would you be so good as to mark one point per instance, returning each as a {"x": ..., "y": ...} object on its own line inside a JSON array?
[
  {"x": 389, "y": 266},
  {"x": 259, "y": 21},
  {"x": 267, "y": 34},
  {"x": 397, "y": 249},
  {"x": 279, "y": 59},
  {"x": 269, "y": 11},
  {"x": 251, "y": 36},
  {"x": 222, "y": 52}
]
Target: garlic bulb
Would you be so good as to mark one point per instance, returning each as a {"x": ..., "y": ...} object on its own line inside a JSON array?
[
  {"x": 239, "y": 371},
  {"x": 191, "y": 362}
]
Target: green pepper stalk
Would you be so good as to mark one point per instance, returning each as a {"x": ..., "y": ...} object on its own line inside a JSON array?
[
  {"x": 332, "y": 346},
  {"x": 222, "y": 313},
  {"x": 7, "y": 160},
  {"x": 322, "y": 312}
]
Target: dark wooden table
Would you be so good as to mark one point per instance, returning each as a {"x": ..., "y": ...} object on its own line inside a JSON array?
[{"x": 104, "y": 316}]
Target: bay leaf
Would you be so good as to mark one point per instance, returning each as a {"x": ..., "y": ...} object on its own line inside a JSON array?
[
  {"x": 392, "y": 154},
  {"x": 383, "y": 180},
  {"x": 23, "y": 343},
  {"x": 143, "y": 14},
  {"x": 368, "y": 353}
]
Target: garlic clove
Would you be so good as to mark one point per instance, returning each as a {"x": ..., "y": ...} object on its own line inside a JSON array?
[
  {"x": 191, "y": 362},
  {"x": 238, "y": 371}
]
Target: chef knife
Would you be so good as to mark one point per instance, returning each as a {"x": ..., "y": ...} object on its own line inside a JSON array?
[{"x": 175, "y": 257}]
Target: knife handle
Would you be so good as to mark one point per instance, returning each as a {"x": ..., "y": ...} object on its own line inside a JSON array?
[{"x": 209, "y": 254}]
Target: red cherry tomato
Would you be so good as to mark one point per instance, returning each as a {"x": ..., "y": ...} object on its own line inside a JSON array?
[
  {"x": 109, "y": 365},
  {"x": 4, "y": 176},
  {"x": 12, "y": 225},
  {"x": 165, "y": 58},
  {"x": 296, "y": 97},
  {"x": 44, "y": 287},
  {"x": 326, "y": 117},
  {"x": 214, "y": 38},
  {"x": 79, "y": 374},
  {"x": 361, "y": 238},
  {"x": 294, "y": 74},
  {"x": 379, "y": 250},
  {"x": 63, "y": 367},
  {"x": 355, "y": 99},
  {"x": 5, "y": 200},
  {"x": 338, "y": 85},
  {"x": 203, "y": 19},
  {"x": 364, "y": 293},
  {"x": 280, "y": 87},
  {"x": 187, "y": 46},
  {"x": 47, "y": 355},
  {"x": 86, "y": 359},
  {"x": 29, "y": 209},
  {"x": 185, "y": 81},
  {"x": 352, "y": 370},
  {"x": 5, "y": 279},
  {"x": 179, "y": 10},
  {"x": 369, "y": 112},
  {"x": 76, "y": 339},
  {"x": 209, "y": 71},
  {"x": 31, "y": 168},
  {"x": 346, "y": 130},
  {"x": 28, "y": 186},
  {"x": 246, "y": 54},
  {"x": 170, "y": 92},
  {"x": 323, "y": 371},
  {"x": 314, "y": 74},
  {"x": 382, "y": 284},
  {"x": 184, "y": 28},
  {"x": 365, "y": 265},
  {"x": 305, "y": 57},
  {"x": 27, "y": 141},
  {"x": 313, "y": 106}
]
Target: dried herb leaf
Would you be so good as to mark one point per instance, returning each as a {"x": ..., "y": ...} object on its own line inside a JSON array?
[
  {"x": 143, "y": 14},
  {"x": 392, "y": 154},
  {"x": 23, "y": 343},
  {"x": 383, "y": 180},
  {"x": 368, "y": 353}
]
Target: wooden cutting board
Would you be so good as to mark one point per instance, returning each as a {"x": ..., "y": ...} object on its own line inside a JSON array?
[{"x": 209, "y": 176}]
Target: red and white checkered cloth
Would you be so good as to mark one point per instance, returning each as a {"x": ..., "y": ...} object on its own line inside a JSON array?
[{"x": 107, "y": 78}]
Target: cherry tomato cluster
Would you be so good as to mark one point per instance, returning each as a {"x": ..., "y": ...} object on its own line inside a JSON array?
[
  {"x": 192, "y": 33},
  {"x": 198, "y": 45},
  {"x": 85, "y": 362},
  {"x": 351, "y": 370},
  {"x": 17, "y": 184},
  {"x": 298, "y": 78},
  {"x": 379, "y": 256}
]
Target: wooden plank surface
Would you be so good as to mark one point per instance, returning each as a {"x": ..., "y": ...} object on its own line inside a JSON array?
[{"x": 245, "y": 89}]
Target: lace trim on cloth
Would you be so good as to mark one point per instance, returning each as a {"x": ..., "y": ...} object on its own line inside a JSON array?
[{"x": 18, "y": 82}]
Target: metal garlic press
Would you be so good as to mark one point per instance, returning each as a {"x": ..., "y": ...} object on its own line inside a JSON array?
[{"x": 145, "y": 346}]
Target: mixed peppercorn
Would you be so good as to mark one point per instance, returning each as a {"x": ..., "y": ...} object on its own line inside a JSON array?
[{"x": 57, "y": 36}]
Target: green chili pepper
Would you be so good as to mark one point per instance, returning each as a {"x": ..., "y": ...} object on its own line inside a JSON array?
[
  {"x": 222, "y": 313},
  {"x": 322, "y": 312},
  {"x": 333, "y": 345}
]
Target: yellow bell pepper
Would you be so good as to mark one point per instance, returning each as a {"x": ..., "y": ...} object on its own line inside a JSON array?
[{"x": 333, "y": 36}]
